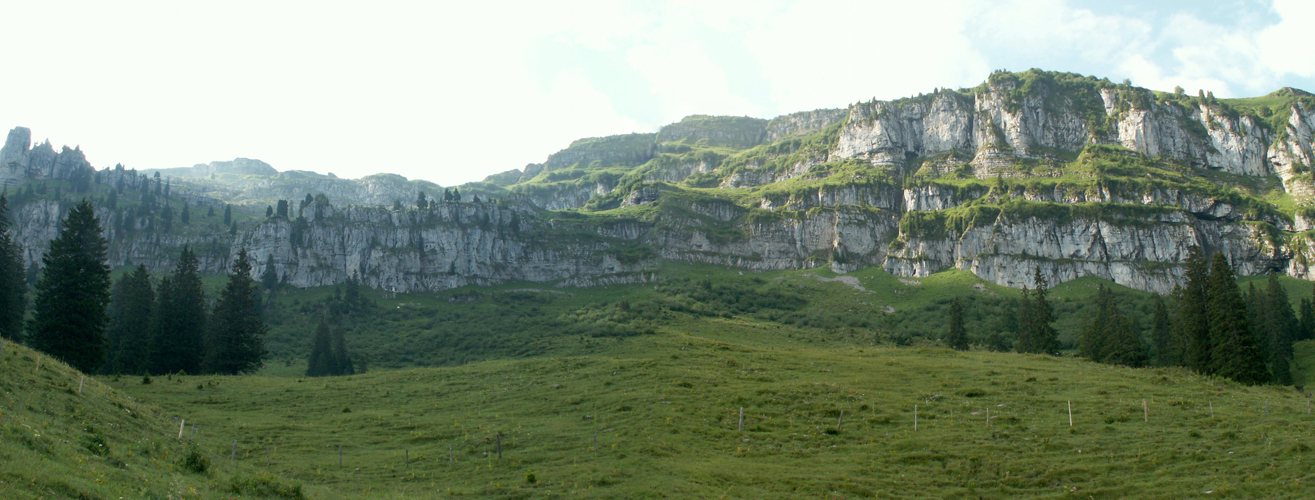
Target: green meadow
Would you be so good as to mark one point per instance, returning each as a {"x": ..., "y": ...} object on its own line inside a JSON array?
[{"x": 844, "y": 389}]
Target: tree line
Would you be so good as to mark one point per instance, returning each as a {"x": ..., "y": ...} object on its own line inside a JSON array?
[
  {"x": 1208, "y": 324},
  {"x": 134, "y": 326}
]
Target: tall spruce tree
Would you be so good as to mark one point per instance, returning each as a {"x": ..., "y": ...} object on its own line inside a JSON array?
[
  {"x": 228, "y": 214},
  {"x": 1283, "y": 328},
  {"x": 179, "y": 335},
  {"x": 1193, "y": 314},
  {"x": 235, "y": 339},
  {"x": 1235, "y": 352},
  {"x": 1095, "y": 332},
  {"x": 128, "y": 336},
  {"x": 270, "y": 278},
  {"x": 1026, "y": 317},
  {"x": 957, "y": 338},
  {"x": 13, "y": 278},
  {"x": 342, "y": 360},
  {"x": 1162, "y": 335},
  {"x": 1045, "y": 339},
  {"x": 68, "y": 320},
  {"x": 1307, "y": 320},
  {"x": 321, "y": 359}
]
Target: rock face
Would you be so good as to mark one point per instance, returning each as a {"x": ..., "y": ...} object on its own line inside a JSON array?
[
  {"x": 731, "y": 131},
  {"x": 239, "y": 166},
  {"x": 20, "y": 162},
  {"x": 995, "y": 180}
]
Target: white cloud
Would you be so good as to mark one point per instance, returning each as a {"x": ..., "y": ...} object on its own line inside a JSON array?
[
  {"x": 1286, "y": 47},
  {"x": 685, "y": 81},
  {"x": 836, "y": 52}
]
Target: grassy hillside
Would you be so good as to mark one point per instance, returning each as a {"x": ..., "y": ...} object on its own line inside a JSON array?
[
  {"x": 666, "y": 412},
  {"x": 59, "y": 440},
  {"x": 772, "y": 309}
]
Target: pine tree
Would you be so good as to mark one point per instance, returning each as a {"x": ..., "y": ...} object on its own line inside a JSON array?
[
  {"x": 68, "y": 320},
  {"x": 128, "y": 336},
  {"x": 1193, "y": 316},
  {"x": 321, "y": 353},
  {"x": 228, "y": 214},
  {"x": 1234, "y": 350},
  {"x": 13, "y": 278},
  {"x": 1026, "y": 318},
  {"x": 421, "y": 202},
  {"x": 1095, "y": 332},
  {"x": 232, "y": 229},
  {"x": 186, "y": 216},
  {"x": 958, "y": 337},
  {"x": 1162, "y": 335},
  {"x": 210, "y": 211},
  {"x": 1283, "y": 328},
  {"x": 178, "y": 343},
  {"x": 269, "y": 278},
  {"x": 342, "y": 361},
  {"x": 269, "y": 211},
  {"x": 1045, "y": 340},
  {"x": 282, "y": 210},
  {"x": 235, "y": 342},
  {"x": 1123, "y": 344},
  {"x": 1307, "y": 321}
]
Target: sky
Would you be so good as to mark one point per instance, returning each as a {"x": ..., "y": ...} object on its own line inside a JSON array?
[{"x": 451, "y": 92}]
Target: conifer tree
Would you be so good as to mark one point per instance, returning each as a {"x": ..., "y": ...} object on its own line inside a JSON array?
[
  {"x": 342, "y": 361},
  {"x": 178, "y": 343},
  {"x": 1162, "y": 335},
  {"x": 1282, "y": 326},
  {"x": 68, "y": 320},
  {"x": 1123, "y": 345},
  {"x": 1095, "y": 332},
  {"x": 186, "y": 216},
  {"x": 321, "y": 353},
  {"x": 235, "y": 340},
  {"x": 1234, "y": 351},
  {"x": 1193, "y": 317},
  {"x": 269, "y": 278},
  {"x": 13, "y": 278},
  {"x": 958, "y": 337},
  {"x": 1045, "y": 340},
  {"x": 228, "y": 214},
  {"x": 282, "y": 210},
  {"x": 1307, "y": 320},
  {"x": 1026, "y": 317},
  {"x": 128, "y": 336}
]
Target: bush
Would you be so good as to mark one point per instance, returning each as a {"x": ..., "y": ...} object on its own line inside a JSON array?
[
  {"x": 195, "y": 461},
  {"x": 265, "y": 485}
]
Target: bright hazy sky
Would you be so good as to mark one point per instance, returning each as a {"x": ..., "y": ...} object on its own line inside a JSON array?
[{"x": 453, "y": 91}]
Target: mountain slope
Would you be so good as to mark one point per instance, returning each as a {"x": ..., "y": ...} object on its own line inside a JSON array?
[
  {"x": 1075, "y": 175},
  {"x": 666, "y": 413},
  {"x": 65, "y": 437}
]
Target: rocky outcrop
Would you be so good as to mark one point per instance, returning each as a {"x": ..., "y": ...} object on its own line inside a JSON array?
[
  {"x": 802, "y": 123},
  {"x": 1143, "y": 252},
  {"x": 629, "y": 149},
  {"x": 239, "y": 166},
  {"x": 740, "y": 132},
  {"x": 21, "y": 162}
]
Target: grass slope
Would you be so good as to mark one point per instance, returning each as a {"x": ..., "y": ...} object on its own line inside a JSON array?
[
  {"x": 101, "y": 443},
  {"x": 666, "y": 408}
]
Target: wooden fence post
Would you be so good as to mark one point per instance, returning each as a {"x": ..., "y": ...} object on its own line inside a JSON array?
[
  {"x": 234, "y": 455},
  {"x": 1146, "y": 410},
  {"x": 595, "y": 440},
  {"x": 451, "y": 459},
  {"x": 81, "y": 379},
  {"x": 741, "y": 427},
  {"x": 841, "y": 420},
  {"x": 339, "y": 456},
  {"x": 499, "y": 436},
  {"x": 407, "y": 461},
  {"x": 915, "y": 418},
  {"x": 1212, "y": 409},
  {"x": 1070, "y": 413},
  {"x": 988, "y": 418},
  {"x": 38, "y": 370},
  {"x": 182, "y": 422}
]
